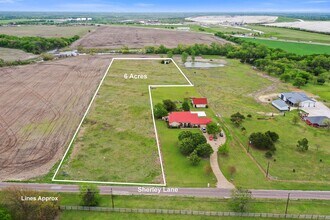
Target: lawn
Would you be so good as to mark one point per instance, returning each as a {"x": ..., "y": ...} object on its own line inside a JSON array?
[
  {"x": 117, "y": 141},
  {"x": 231, "y": 89},
  {"x": 178, "y": 170},
  {"x": 290, "y": 34},
  {"x": 13, "y": 54},
  {"x": 321, "y": 90},
  {"x": 298, "y": 48},
  {"x": 86, "y": 215},
  {"x": 46, "y": 30}
]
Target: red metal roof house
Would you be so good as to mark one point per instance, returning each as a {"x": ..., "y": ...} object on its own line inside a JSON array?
[
  {"x": 187, "y": 119},
  {"x": 199, "y": 102}
]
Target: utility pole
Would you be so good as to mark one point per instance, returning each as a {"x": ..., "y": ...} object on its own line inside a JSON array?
[
  {"x": 267, "y": 170},
  {"x": 113, "y": 204},
  {"x": 287, "y": 204}
]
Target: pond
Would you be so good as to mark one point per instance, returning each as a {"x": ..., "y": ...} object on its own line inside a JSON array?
[{"x": 202, "y": 65}]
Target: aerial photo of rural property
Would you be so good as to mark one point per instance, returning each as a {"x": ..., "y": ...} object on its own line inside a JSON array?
[{"x": 164, "y": 110}]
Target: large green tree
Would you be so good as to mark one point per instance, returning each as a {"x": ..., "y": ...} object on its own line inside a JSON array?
[{"x": 160, "y": 111}]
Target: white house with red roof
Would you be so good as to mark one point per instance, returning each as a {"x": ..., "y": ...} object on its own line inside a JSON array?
[
  {"x": 199, "y": 102},
  {"x": 187, "y": 119}
]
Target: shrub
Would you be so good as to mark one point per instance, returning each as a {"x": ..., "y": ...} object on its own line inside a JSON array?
[
  {"x": 302, "y": 145},
  {"x": 262, "y": 141},
  {"x": 90, "y": 195},
  {"x": 224, "y": 150},
  {"x": 204, "y": 150},
  {"x": 268, "y": 154},
  {"x": 185, "y": 106},
  {"x": 160, "y": 111},
  {"x": 273, "y": 135},
  {"x": 186, "y": 146},
  {"x": 194, "y": 159},
  {"x": 237, "y": 118},
  {"x": 169, "y": 105},
  {"x": 185, "y": 134}
]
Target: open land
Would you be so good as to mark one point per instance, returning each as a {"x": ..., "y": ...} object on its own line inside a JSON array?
[
  {"x": 113, "y": 37},
  {"x": 117, "y": 141},
  {"x": 233, "y": 19},
  {"x": 41, "y": 106},
  {"x": 318, "y": 26},
  {"x": 46, "y": 30},
  {"x": 290, "y": 34},
  {"x": 292, "y": 47},
  {"x": 231, "y": 89},
  {"x": 13, "y": 54}
]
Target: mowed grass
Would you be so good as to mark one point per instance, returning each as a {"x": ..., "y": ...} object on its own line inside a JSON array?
[
  {"x": 230, "y": 89},
  {"x": 291, "y": 34},
  {"x": 13, "y": 54},
  {"x": 117, "y": 140},
  {"x": 47, "y": 30},
  {"x": 86, "y": 215},
  {"x": 298, "y": 48},
  {"x": 178, "y": 170}
]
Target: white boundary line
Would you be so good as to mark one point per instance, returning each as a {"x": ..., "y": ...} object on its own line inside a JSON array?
[{"x": 153, "y": 119}]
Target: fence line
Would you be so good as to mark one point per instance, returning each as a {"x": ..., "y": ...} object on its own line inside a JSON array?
[{"x": 192, "y": 212}]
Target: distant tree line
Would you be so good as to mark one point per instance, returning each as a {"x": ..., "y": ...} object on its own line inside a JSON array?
[
  {"x": 35, "y": 45},
  {"x": 290, "y": 67},
  {"x": 15, "y": 63}
]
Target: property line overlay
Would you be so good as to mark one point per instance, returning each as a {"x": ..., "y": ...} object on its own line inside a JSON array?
[{"x": 153, "y": 119}]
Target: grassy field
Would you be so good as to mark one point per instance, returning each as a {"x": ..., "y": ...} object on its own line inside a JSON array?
[
  {"x": 321, "y": 90},
  {"x": 298, "y": 48},
  {"x": 117, "y": 140},
  {"x": 12, "y": 54},
  {"x": 290, "y": 34},
  {"x": 47, "y": 30},
  {"x": 231, "y": 89},
  {"x": 178, "y": 170}
]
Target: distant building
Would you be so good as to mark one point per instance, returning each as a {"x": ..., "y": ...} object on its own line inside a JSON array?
[
  {"x": 280, "y": 105},
  {"x": 183, "y": 28},
  {"x": 187, "y": 120},
  {"x": 199, "y": 102},
  {"x": 316, "y": 121},
  {"x": 297, "y": 99}
]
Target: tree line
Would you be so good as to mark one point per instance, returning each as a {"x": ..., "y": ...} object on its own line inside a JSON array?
[
  {"x": 290, "y": 67},
  {"x": 35, "y": 45}
]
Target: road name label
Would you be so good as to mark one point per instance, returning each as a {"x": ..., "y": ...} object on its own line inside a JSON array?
[
  {"x": 157, "y": 190},
  {"x": 135, "y": 76}
]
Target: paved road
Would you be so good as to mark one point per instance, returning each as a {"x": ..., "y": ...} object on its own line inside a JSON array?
[{"x": 197, "y": 192}]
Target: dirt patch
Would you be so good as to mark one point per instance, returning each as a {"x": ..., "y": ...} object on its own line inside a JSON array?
[
  {"x": 268, "y": 98},
  {"x": 41, "y": 106},
  {"x": 113, "y": 37}
]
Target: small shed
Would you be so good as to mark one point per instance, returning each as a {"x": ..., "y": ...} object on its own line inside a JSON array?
[{"x": 199, "y": 102}]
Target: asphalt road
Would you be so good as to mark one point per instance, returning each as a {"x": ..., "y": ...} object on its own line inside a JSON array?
[{"x": 166, "y": 191}]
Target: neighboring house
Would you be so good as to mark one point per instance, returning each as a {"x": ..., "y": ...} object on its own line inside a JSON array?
[
  {"x": 297, "y": 99},
  {"x": 316, "y": 121},
  {"x": 186, "y": 120},
  {"x": 199, "y": 102},
  {"x": 280, "y": 105}
]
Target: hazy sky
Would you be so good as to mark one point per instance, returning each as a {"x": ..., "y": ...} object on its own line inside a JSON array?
[{"x": 167, "y": 5}]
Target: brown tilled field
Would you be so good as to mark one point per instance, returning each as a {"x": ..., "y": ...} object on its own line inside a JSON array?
[
  {"x": 114, "y": 37},
  {"x": 41, "y": 105}
]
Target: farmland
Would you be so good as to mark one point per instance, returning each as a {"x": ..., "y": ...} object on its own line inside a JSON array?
[
  {"x": 290, "y": 34},
  {"x": 40, "y": 108},
  {"x": 233, "y": 88},
  {"x": 317, "y": 26},
  {"x": 13, "y": 54},
  {"x": 117, "y": 141},
  {"x": 292, "y": 47},
  {"x": 113, "y": 37},
  {"x": 46, "y": 31}
]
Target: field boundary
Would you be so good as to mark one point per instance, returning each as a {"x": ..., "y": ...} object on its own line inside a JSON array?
[
  {"x": 194, "y": 212},
  {"x": 153, "y": 119}
]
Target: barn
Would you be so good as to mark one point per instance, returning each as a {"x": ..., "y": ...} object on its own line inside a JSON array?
[
  {"x": 280, "y": 105},
  {"x": 297, "y": 99},
  {"x": 199, "y": 102},
  {"x": 316, "y": 121}
]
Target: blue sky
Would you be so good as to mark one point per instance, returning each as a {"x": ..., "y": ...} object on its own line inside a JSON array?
[{"x": 167, "y": 5}]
